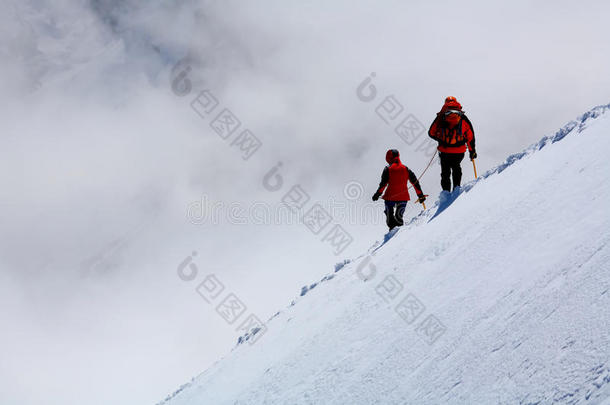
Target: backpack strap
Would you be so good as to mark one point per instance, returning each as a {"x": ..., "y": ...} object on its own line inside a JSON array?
[{"x": 458, "y": 127}]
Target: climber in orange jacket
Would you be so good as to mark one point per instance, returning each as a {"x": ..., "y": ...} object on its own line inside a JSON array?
[
  {"x": 454, "y": 133},
  {"x": 396, "y": 196}
]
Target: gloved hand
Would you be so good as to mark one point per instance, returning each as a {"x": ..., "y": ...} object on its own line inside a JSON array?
[
  {"x": 376, "y": 196},
  {"x": 421, "y": 198},
  {"x": 473, "y": 154}
]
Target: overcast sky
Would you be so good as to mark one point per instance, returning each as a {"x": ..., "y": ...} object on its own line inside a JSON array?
[{"x": 101, "y": 162}]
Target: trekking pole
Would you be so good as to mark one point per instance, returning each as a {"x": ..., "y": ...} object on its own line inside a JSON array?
[{"x": 475, "y": 169}]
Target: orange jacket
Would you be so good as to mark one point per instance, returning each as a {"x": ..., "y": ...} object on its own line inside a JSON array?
[{"x": 452, "y": 139}]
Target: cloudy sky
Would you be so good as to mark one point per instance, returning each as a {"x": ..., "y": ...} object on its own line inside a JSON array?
[{"x": 109, "y": 179}]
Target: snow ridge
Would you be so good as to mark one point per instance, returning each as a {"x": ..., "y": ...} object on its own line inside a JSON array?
[{"x": 579, "y": 124}]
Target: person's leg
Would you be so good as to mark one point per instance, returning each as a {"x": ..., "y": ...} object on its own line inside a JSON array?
[
  {"x": 445, "y": 170},
  {"x": 390, "y": 219},
  {"x": 400, "y": 210},
  {"x": 456, "y": 169}
]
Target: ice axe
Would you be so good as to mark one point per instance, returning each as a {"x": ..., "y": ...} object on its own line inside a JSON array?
[
  {"x": 474, "y": 166},
  {"x": 422, "y": 203}
]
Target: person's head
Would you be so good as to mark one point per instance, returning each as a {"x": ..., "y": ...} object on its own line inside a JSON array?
[
  {"x": 451, "y": 103},
  {"x": 392, "y": 156}
]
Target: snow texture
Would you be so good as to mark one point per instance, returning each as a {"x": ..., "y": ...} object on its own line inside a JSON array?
[{"x": 499, "y": 295}]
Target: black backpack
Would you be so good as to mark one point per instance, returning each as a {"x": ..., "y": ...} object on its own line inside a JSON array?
[{"x": 453, "y": 136}]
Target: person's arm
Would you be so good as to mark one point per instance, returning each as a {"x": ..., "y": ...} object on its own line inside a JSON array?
[
  {"x": 415, "y": 182},
  {"x": 385, "y": 178},
  {"x": 470, "y": 141},
  {"x": 433, "y": 129}
]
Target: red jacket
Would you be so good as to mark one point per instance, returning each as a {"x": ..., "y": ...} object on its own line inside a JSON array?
[
  {"x": 452, "y": 139},
  {"x": 395, "y": 177}
]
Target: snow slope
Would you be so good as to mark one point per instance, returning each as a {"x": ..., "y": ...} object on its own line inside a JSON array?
[{"x": 515, "y": 272}]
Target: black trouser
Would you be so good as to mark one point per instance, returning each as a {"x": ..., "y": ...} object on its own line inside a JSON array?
[
  {"x": 394, "y": 211},
  {"x": 450, "y": 167}
]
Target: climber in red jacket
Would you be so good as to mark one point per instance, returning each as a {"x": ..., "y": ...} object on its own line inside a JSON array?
[
  {"x": 454, "y": 133},
  {"x": 396, "y": 196}
]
